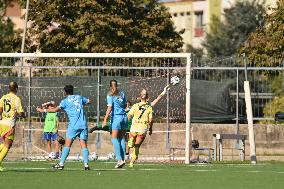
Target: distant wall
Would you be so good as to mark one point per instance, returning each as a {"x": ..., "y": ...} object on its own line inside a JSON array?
[{"x": 269, "y": 141}]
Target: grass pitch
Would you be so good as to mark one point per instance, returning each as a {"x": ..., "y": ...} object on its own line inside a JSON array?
[{"x": 29, "y": 175}]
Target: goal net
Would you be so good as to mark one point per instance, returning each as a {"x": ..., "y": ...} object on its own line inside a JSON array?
[{"x": 41, "y": 78}]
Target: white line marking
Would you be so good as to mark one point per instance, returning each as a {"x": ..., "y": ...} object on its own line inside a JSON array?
[{"x": 213, "y": 170}]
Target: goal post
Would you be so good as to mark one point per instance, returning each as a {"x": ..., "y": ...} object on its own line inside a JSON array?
[{"x": 44, "y": 75}]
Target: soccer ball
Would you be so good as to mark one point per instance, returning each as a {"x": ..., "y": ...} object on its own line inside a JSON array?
[
  {"x": 174, "y": 80},
  {"x": 111, "y": 155},
  {"x": 94, "y": 156},
  {"x": 51, "y": 155}
]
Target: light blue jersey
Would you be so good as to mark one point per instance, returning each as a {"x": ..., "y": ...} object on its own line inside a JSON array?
[
  {"x": 73, "y": 105},
  {"x": 118, "y": 114},
  {"x": 118, "y": 103}
]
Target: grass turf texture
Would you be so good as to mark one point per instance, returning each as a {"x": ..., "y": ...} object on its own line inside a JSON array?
[{"x": 29, "y": 175}]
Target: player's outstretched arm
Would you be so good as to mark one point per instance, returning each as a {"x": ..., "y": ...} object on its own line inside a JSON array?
[
  {"x": 159, "y": 97},
  {"x": 40, "y": 109}
]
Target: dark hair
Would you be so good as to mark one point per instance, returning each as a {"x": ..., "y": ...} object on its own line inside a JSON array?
[
  {"x": 111, "y": 83},
  {"x": 113, "y": 88},
  {"x": 13, "y": 86},
  {"x": 69, "y": 89}
]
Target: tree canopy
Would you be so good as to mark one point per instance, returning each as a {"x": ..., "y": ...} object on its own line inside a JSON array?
[
  {"x": 9, "y": 39},
  {"x": 267, "y": 42},
  {"x": 227, "y": 37},
  {"x": 102, "y": 26}
]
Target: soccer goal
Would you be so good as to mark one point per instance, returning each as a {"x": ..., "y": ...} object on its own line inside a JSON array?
[{"x": 42, "y": 76}]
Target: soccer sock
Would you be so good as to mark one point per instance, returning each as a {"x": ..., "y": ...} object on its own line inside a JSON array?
[
  {"x": 3, "y": 153},
  {"x": 116, "y": 145},
  {"x": 122, "y": 148},
  {"x": 1, "y": 147},
  {"x": 64, "y": 155},
  {"x": 135, "y": 153},
  {"x": 85, "y": 153}
]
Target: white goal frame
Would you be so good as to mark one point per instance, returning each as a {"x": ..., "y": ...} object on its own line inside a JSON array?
[{"x": 125, "y": 55}]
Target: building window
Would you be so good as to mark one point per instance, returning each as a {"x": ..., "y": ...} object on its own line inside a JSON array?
[
  {"x": 199, "y": 19},
  {"x": 198, "y": 30},
  {"x": 182, "y": 14},
  {"x": 175, "y": 14},
  {"x": 188, "y": 13}
]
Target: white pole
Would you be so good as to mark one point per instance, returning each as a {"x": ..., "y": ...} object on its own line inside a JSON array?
[
  {"x": 25, "y": 27},
  {"x": 250, "y": 122},
  {"x": 188, "y": 116},
  {"x": 24, "y": 38}
]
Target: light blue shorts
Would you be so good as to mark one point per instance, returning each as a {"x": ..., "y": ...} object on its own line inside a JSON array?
[
  {"x": 119, "y": 122},
  {"x": 74, "y": 133}
]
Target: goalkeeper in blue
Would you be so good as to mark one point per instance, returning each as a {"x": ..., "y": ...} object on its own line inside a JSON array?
[{"x": 77, "y": 126}]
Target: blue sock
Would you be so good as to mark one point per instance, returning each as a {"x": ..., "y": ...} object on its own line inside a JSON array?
[
  {"x": 116, "y": 146},
  {"x": 85, "y": 153},
  {"x": 122, "y": 148},
  {"x": 64, "y": 155}
]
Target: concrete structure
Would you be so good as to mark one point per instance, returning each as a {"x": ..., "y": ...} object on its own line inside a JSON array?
[
  {"x": 194, "y": 16},
  {"x": 15, "y": 13}
]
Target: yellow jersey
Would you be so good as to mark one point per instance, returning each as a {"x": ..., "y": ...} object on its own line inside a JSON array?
[
  {"x": 142, "y": 112},
  {"x": 11, "y": 105}
]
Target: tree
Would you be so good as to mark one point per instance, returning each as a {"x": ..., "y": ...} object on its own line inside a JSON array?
[
  {"x": 226, "y": 38},
  {"x": 267, "y": 43},
  {"x": 103, "y": 26},
  {"x": 9, "y": 38}
]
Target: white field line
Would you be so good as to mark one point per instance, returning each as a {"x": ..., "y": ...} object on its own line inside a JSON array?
[{"x": 78, "y": 169}]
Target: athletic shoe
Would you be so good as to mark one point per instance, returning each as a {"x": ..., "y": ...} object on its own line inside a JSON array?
[
  {"x": 131, "y": 142},
  {"x": 130, "y": 164},
  {"x": 57, "y": 166},
  {"x": 2, "y": 168},
  {"x": 126, "y": 157},
  {"x": 119, "y": 164},
  {"x": 87, "y": 168}
]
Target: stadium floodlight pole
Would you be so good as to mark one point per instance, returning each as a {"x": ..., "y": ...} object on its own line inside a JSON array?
[
  {"x": 188, "y": 115},
  {"x": 249, "y": 116},
  {"x": 24, "y": 35}
]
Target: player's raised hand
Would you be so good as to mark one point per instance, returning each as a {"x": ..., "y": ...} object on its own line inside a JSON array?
[
  {"x": 39, "y": 109},
  {"x": 166, "y": 88}
]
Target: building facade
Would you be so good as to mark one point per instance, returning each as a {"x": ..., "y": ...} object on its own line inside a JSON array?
[{"x": 194, "y": 16}]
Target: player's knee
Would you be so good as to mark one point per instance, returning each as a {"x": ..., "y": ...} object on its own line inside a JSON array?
[
  {"x": 8, "y": 144},
  {"x": 137, "y": 145}
]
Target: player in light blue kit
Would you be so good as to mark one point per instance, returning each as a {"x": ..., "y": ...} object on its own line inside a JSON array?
[
  {"x": 116, "y": 104},
  {"x": 77, "y": 126}
]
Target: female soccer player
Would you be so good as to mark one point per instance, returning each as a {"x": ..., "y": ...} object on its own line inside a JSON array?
[
  {"x": 77, "y": 126},
  {"x": 142, "y": 114},
  {"x": 116, "y": 104},
  {"x": 10, "y": 109}
]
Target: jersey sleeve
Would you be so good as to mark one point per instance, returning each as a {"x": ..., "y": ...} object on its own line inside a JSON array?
[
  {"x": 2, "y": 102},
  {"x": 109, "y": 100},
  {"x": 62, "y": 104},
  {"x": 131, "y": 111},
  {"x": 150, "y": 112},
  {"x": 85, "y": 100},
  {"x": 19, "y": 106}
]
